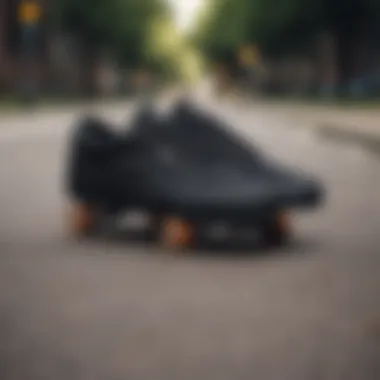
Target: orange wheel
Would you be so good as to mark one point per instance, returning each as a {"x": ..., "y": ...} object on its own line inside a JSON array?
[
  {"x": 176, "y": 233},
  {"x": 278, "y": 231},
  {"x": 82, "y": 220},
  {"x": 282, "y": 222}
]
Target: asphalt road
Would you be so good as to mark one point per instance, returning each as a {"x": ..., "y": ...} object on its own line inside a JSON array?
[{"x": 112, "y": 309}]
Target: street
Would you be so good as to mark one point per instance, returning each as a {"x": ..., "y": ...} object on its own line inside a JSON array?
[{"x": 116, "y": 309}]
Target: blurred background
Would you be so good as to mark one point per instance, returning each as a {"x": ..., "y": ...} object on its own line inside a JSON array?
[
  {"x": 88, "y": 48},
  {"x": 316, "y": 48}
]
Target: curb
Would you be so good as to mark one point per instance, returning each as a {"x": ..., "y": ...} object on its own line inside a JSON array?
[{"x": 340, "y": 132}]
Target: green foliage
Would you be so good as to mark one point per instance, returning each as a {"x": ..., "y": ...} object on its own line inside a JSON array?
[
  {"x": 169, "y": 49},
  {"x": 119, "y": 25},
  {"x": 223, "y": 27},
  {"x": 278, "y": 25}
]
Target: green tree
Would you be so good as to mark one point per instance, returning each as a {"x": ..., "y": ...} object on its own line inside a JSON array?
[
  {"x": 279, "y": 26},
  {"x": 173, "y": 52},
  {"x": 121, "y": 26}
]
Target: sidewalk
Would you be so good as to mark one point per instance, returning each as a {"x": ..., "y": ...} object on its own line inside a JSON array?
[
  {"x": 352, "y": 123},
  {"x": 50, "y": 110},
  {"x": 54, "y": 105}
]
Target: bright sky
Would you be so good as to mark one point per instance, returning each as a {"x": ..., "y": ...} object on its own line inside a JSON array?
[{"x": 185, "y": 11}]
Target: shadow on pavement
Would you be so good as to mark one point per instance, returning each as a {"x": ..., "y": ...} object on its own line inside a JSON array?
[{"x": 226, "y": 249}]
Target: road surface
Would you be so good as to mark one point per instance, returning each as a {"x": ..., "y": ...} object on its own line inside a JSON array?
[{"x": 112, "y": 309}]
